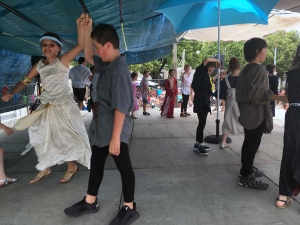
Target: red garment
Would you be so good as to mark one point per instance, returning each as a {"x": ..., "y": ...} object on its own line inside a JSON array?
[{"x": 167, "y": 109}]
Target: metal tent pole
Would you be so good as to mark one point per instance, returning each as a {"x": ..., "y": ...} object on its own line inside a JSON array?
[{"x": 217, "y": 138}]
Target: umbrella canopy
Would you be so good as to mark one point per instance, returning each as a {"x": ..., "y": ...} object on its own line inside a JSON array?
[
  {"x": 278, "y": 20},
  {"x": 195, "y": 14}
]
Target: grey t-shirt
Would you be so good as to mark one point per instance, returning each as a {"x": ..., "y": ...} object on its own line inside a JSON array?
[
  {"x": 144, "y": 82},
  {"x": 114, "y": 91}
]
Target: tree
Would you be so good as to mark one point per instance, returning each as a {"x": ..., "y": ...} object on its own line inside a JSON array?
[{"x": 286, "y": 44}]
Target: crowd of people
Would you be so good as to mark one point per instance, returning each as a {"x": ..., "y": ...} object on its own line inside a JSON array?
[{"x": 248, "y": 100}]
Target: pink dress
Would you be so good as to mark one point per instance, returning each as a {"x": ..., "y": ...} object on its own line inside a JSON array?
[{"x": 136, "y": 106}]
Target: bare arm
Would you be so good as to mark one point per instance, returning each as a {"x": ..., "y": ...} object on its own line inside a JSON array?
[
  {"x": 212, "y": 60},
  {"x": 282, "y": 98},
  {"x": 20, "y": 86},
  {"x": 69, "y": 56},
  {"x": 114, "y": 146},
  {"x": 88, "y": 45}
]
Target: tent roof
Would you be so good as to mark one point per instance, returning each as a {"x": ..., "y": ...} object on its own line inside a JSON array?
[
  {"x": 146, "y": 33},
  {"x": 278, "y": 20}
]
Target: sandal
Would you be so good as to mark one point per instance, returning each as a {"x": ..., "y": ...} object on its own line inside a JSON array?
[
  {"x": 287, "y": 202},
  {"x": 68, "y": 175},
  {"x": 40, "y": 176},
  {"x": 6, "y": 181}
]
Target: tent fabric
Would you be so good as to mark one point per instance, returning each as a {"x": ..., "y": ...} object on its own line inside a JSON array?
[
  {"x": 144, "y": 29},
  {"x": 277, "y": 21}
]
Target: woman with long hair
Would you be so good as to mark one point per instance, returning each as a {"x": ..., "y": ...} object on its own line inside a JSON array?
[{"x": 231, "y": 124}]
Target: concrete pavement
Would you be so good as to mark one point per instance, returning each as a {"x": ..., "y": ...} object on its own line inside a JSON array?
[{"x": 174, "y": 185}]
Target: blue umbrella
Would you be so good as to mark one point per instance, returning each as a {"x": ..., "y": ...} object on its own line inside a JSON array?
[{"x": 195, "y": 14}]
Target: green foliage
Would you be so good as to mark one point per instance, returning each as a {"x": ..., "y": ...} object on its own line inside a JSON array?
[
  {"x": 286, "y": 44},
  {"x": 196, "y": 52}
]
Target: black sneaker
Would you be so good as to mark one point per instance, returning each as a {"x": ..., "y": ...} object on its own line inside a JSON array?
[
  {"x": 252, "y": 182},
  {"x": 196, "y": 146},
  {"x": 257, "y": 172},
  {"x": 146, "y": 114},
  {"x": 126, "y": 216},
  {"x": 81, "y": 208},
  {"x": 202, "y": 151}
]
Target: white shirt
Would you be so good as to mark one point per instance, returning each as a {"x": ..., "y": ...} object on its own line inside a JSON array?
[
  {"x": 80, "y": 76},
  {"x": 186, "y": 85},
  {"x": 144, "y": 91}
]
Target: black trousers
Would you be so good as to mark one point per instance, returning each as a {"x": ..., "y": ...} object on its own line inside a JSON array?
[
  {"x": 123, "y": 164},
  {"x": 202, "y": 116},
  {"x": 250, "y": 146},
  {"x": 185, "y": 99}
]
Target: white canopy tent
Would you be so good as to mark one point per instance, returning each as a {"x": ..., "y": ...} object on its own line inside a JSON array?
[{"x": 278, "y": 20}]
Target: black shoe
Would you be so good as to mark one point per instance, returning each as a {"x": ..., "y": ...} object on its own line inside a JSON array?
[
  {"x": 146, "y": 114},
  {"x": 81, "y": 208},
  {"x": 202, "y": 150},
  {"x": 252, "y": 182},
  {"x": 196, "y": 146},
  {"x": 257, "y": 172},
  {"x": 126, "y": 216}
]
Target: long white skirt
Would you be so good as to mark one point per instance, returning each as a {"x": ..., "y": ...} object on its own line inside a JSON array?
[
  {"x": 231, "y": 124},
  {"x": 59, "y": 136}
]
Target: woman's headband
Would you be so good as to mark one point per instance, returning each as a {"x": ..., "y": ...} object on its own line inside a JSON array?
[{"x": 51, "y": 38}]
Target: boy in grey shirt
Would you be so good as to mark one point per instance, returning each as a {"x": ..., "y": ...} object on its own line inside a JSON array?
[{"x": 114, "y": 104}]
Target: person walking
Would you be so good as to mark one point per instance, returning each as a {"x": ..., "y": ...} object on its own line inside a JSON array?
[{"x": 81, "y": 77}]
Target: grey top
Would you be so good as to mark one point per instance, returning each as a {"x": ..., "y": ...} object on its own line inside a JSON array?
[
  {"x": 144, "y": 82},
  {"x": 252, "y": 94},
  {"x": 80, "y": 76},
  {"x": 114, "y": 91}
]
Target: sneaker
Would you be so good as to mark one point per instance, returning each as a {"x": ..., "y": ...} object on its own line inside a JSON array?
[
  {"x": 81, "y": 208},
  {"x": 196, "y": 146},
  {"x": 126, "y": 216},
  {"x": 202, "y": 151},
  {"x": 146, "y": 114},
  {"x": 252, "y": 182},
  {"x": 257, "y": 172},
  {"x": 223, "y": 145}
]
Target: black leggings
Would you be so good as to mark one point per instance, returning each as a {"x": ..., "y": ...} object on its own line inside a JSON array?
[
  {"x": 123, "y": 164},
  {"x": 202, "y": 116},
  {"x": 185, "y": 99},
  {"x": 250, "y": 146}
]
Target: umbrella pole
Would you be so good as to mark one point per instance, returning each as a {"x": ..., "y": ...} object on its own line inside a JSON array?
[{"x": 216, "y": 139}]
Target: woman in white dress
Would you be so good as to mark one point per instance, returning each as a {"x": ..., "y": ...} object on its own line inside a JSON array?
[
  {"x": 231, "y": 124},
  {"x": 56, "y": 131}
]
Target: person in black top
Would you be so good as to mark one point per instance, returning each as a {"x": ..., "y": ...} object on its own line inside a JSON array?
[
  {"x": 202, "y": 88},
  {"x": 273, "y": 82}
]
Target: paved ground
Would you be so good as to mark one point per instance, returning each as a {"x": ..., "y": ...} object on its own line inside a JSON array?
[{"x": 174, "y": 185}]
